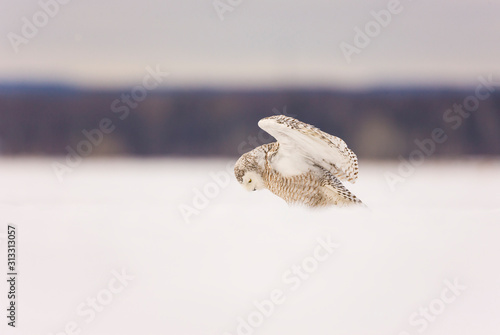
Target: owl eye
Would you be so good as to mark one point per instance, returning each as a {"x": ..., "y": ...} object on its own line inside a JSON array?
[{"x": 249, "y": 181}]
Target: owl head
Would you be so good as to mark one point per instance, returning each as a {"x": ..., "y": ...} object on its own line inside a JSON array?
[{"x": 248, "y": 172}]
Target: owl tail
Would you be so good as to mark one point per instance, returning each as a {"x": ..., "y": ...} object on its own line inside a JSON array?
[{"x": 340, "y": 194}]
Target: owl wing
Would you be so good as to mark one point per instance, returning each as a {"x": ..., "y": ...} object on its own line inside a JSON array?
[{"x": 304, "y": 145}]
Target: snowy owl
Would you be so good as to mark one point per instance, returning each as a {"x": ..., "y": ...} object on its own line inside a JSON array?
[{"x": 305, "y": 166}]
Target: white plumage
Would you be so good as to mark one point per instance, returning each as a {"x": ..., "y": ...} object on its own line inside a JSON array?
[{"x": 305, "y": 166}]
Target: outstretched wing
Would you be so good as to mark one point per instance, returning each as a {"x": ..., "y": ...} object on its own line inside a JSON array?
[{"x": 302, "y": 146}]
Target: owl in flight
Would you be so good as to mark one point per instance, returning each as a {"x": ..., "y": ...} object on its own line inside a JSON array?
[{"x": 305, "y": 166}]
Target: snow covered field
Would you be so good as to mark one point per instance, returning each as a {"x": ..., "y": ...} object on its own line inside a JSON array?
[{"x": 176, "y": 247}]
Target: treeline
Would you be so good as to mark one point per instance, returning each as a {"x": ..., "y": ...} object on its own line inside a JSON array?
[{"x": 375, "y": 124}]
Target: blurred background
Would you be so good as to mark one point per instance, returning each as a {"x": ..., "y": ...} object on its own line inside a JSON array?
[{"x": 379, "y": 74}]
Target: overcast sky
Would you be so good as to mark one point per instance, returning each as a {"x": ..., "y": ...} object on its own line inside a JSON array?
[{"x": 259, "y": 42}]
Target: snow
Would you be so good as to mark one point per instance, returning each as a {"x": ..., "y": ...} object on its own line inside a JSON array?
[{"x": 203, "y": 272}]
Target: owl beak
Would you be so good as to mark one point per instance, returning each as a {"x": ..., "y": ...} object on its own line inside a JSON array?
[{"x": 255, "y": 189}]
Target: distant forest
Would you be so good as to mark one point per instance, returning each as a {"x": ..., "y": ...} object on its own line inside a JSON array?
[{"x": 381, "y": 123}]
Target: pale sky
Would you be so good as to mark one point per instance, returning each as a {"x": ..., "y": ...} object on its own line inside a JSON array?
[{"x": 259, "y": 42}]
